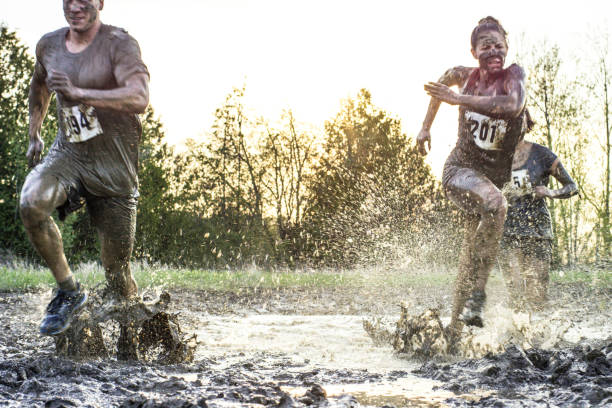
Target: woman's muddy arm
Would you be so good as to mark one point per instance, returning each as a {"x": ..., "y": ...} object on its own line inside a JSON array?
[
  {"x": 454, "y": 76},
  {"x": 507, "y": 106},
  {"x": 424, "y": 136}
]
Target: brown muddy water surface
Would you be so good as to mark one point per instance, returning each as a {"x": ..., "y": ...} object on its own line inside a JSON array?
[{"x": 309, "y": 348}]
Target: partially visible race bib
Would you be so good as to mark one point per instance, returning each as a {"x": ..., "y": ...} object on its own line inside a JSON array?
[
  {"x": 81, "y": 123},
  {"x": 520, "y": 179},
  {"x": 488, "y": 132}
]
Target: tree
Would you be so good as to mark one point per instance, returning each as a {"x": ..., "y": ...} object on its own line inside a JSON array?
[
  {"x": 600, "y": 86},
  {"x": 154, "y": 228},
  {"x": 560, "y": 115},
  {"x": 16, "y": 67},
  {"x": 288, "y": 156},
  {"x": 370, "y": 189}
]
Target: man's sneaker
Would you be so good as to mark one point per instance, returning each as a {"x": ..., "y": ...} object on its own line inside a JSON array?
[
  {"x": 473, "y": 308},
  {"x": 61, "y": 310}
]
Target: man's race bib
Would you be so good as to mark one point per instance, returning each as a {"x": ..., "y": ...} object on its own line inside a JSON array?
[
  {"x": 488, "y": 132},
  {"x": 520, "y": 178},
  {"x": 81, "y": 123}
]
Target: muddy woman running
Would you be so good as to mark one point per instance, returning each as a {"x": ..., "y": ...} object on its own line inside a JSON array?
[
  {"x": 491, "y": 108},
  {"x": 101, "y": 85}
]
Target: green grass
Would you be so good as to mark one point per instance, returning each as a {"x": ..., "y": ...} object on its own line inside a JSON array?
[
  {"x": 595, "y": 277},
  {"x": 435, "y": 278},
  {"x": 24, "y": 277},
  {"x": 29, "y": 278},
  {"x": 231, "y": 280}
]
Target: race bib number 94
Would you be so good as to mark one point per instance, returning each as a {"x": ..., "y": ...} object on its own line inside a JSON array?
[
  {"x": 488, "y": 132},
  {"x": 81, "y": 123}
]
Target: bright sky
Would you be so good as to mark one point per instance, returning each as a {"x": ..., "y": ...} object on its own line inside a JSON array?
[{"x": 307, "y": 55}]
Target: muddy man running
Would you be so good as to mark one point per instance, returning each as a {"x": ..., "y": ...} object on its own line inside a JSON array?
[
  {"x": 101, "y": 85},
  {"x": 526, "y": 247}
]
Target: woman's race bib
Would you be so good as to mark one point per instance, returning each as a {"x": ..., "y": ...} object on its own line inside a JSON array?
[
  {"x": 488, "y": 132},
  {"x": 81, "y": 123}
]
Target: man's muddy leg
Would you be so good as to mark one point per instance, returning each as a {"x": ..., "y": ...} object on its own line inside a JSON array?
[
  {"x": 40, "y": 196},
  {"x": 511, "y": 265},
  {"x": 536, "y": 275},
  {"x": 115, "y": 220}
]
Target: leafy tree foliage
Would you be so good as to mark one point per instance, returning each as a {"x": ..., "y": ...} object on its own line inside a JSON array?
[
  {"x": 16, "y": 67},
  {"x": 250, "y": 192},
  {"x": 371, "y": 190}
]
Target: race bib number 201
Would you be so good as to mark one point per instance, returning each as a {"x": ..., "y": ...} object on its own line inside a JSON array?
[
  {"x": 488, "y": 133},
  {"x": 81, "y": 123}
]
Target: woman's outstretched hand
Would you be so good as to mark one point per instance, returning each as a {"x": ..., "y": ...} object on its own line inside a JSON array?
[
  {"x": 424, "y": 141},
  {"x": 442, "y": 92}
]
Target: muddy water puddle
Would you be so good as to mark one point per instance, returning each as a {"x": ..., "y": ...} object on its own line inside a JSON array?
[
  {"x": 242, "y": 360},
  {"x": 320, "y": 343},
  {"x": 335, "y": 343},
  {"x": 405, "y": 392},
  {"x": 250, "y": 358},
  {"x": 330, "y": 341}
]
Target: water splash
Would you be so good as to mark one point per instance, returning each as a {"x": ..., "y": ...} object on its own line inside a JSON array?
[{"x": 139, "y": 328}]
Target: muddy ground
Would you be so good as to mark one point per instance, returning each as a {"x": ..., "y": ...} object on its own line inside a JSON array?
[{"x": 308, "y": 348}]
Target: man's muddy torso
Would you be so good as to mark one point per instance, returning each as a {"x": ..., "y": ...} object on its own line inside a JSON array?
[
  {"x": 97, "y": 148},
  {"x": 528, "y": 216}
]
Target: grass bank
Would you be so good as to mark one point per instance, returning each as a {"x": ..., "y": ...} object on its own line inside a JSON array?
[
  {"x": 595, "y": 276},
  {"x": 24, "y": 277}
]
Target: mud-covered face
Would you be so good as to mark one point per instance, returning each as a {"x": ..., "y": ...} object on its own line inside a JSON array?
[
  {"x": 490, "y": 51},
  {"x": 81, "y": 15}
]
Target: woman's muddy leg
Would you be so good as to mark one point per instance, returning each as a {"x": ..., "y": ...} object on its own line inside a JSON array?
[
  {"x": 115, "y": 220},
  {"x": 466, "y": 275},
  {"x": 489, "y": 233},
  {"x": 476, "y": 194}
]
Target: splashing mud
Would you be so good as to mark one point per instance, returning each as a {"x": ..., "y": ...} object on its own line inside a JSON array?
[
  {"x": 561, "y": 356},
  {"x": 145, "y": 331},
  {"x": 511, "y": 191},
  {"x": 299, "y": 348},
  {"x": 423, "y": 335}
]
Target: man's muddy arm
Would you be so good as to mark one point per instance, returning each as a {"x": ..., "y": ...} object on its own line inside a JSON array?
[
  {"x": 452, "y": 77},
  {"x": 569, "y": 188},
  {"x": 132, "y": 96},
  {"x": 38, "y": 104}
]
